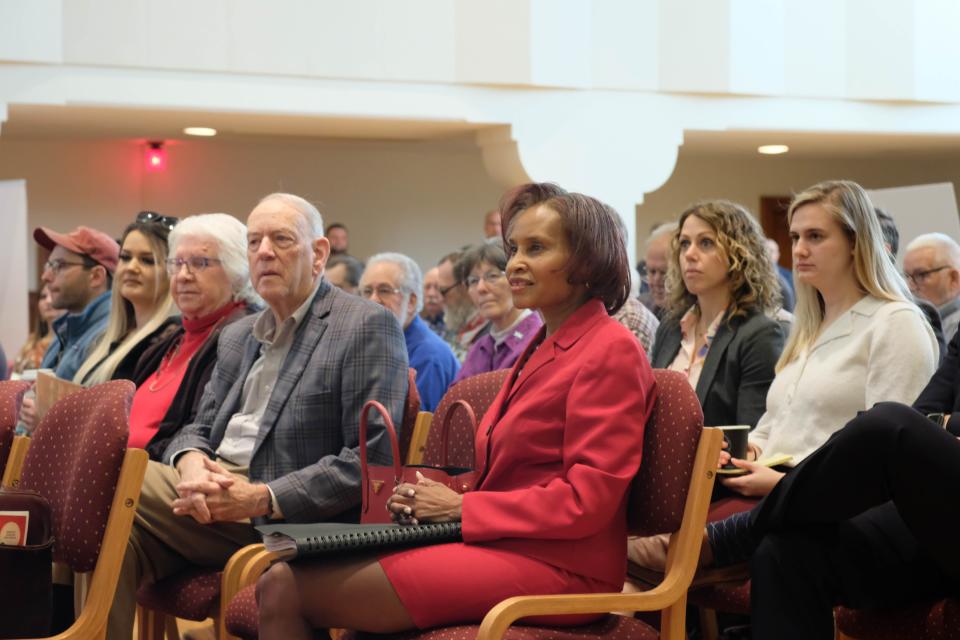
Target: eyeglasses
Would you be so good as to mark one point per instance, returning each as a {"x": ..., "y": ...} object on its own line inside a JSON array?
[
  {"x": 167, "y": 222},
  {"x": 382, "y": 291},
  {"x": 445, "y": 290},
  {"x": 193, "y": 264},
  {"x": 490, "y": 277},
  {"x": 917, "y": 277},
  {"x": 646, "y": 272},
  {"x": 58, "y": 265}
]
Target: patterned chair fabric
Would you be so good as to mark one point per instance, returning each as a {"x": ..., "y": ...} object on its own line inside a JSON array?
[
  {"x": 192, "y": 594},
  {"x": 479, "y": 391},
  {"x": 11, "y": 395},
  {"x": 242, "y": 618},
  {"x": 939, "y": 620},
  {"x": 607, "y": 628},
  {"x": 74, "y": 461},
  {"x": 670, "y": 441}
]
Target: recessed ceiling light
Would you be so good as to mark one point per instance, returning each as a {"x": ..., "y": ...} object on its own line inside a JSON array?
[
  {"x": 773, "y": 149},
  {"x": 200, "y": 131}
]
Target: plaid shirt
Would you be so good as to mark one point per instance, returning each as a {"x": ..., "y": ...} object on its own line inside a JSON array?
[{"x": 639, "y": 320}]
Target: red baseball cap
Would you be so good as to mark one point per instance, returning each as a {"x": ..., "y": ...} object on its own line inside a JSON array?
[{"x": 83, "y": 240}]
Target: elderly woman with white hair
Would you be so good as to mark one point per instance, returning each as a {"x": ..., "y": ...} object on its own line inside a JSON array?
[
  {"x": 395, "y": 281},
  {"x": 210, "y": 284}
]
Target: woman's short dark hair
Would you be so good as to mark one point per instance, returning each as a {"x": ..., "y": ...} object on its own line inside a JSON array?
[
  {"x": 598, "y": 250},
  {"x": 490, "y": 252}
]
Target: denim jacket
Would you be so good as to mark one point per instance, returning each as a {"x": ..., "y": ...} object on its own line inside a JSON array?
[{"x": 75, "y": 333}]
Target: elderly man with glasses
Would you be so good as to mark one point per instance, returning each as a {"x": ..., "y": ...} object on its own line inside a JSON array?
[
  {"x": 395, "y": 281},
  {"x": 931, "y": 264}
]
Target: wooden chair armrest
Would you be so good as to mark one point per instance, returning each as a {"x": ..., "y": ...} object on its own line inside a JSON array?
[
  {"x": 233, "y": 581},
  {"x": 682, "y": 561},
  {"x": 418, "y": 440},
  {"x": 18, "y": 453},
  {"x": 92, "y": 622}
]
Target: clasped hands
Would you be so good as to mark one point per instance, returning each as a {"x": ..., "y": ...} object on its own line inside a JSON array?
[
  {"x": 210, "y": 493},
  {"x": 759, "y": 479},
  {"x": 425, "y": 501}
]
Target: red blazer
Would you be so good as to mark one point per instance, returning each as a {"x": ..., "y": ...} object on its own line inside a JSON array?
[{"x": 560, "y": 445}]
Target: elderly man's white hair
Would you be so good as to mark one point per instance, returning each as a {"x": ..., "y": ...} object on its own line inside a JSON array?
[
  {"x": 301, "y": 206},
  {"x": 944, "y": 247},
  {"x": 660, "y": 231},
  {"x": 411, "y": 277},
  {"x": 230, "y": 236}
]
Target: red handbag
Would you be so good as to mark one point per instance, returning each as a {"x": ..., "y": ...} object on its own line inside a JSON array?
[{"x": 378, "y": 481}]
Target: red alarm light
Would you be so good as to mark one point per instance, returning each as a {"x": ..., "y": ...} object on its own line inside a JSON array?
[{"x": 155, "y": 157}]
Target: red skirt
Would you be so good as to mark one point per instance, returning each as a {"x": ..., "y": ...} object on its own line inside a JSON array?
[{"x": 459, "y": 583}]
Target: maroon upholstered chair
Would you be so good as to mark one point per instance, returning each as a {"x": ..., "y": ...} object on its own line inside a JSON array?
[
  {"x": 11, "y": 395},
  {"x": 195, "y": 594},
  {"x": 670, "y": 493},
  {"x": 78, "y": 460},
  {"x": 938, "y": 620},
  {"x": 479, "y": 392}
]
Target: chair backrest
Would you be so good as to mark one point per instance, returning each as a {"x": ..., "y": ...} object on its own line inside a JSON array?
[
  {"x": 74, "y": 461},
  {"x": 11, "y": 395},
  {"x": 670, "y": 441},
  {"x": 479, "y": 391},
  {"x": 411, "y": 408}
]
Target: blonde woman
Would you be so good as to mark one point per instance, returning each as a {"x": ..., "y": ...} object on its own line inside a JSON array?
[
  {"x": 141, "y": 309},
  {"x": 857, "y": 339},
  {"x": 722, "y": 288}
]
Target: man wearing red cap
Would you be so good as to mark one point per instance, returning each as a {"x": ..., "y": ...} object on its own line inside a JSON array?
[{"x": 78, "y": 276}]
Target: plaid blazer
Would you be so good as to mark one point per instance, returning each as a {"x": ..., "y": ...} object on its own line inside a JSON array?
[{"x": 346, "y": 351}]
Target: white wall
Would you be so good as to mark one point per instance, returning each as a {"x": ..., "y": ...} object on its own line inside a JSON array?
[{"x": 423, "y": 199}]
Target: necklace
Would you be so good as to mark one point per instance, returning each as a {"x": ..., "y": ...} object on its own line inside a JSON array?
[{"x": 164, "y": 367}]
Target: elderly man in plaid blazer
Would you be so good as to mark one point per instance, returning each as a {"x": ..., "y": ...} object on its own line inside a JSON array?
[{"x": 277, "y": 432}]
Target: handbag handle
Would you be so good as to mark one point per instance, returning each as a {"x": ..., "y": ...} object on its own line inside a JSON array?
[
  {"x": 445, "y": 427},
  {"x": 394, "y": 446}
]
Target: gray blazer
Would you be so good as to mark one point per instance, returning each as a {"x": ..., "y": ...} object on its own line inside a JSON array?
[
  {"x": 737, "y": 371},
  {"x": 346, "y": 351}
]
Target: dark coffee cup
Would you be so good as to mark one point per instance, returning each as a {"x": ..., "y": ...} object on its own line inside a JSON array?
[{"x": 735, "y": 435}]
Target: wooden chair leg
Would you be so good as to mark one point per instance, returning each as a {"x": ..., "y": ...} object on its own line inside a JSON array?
[
  {"x": 150, "y": 624},
  {"x": 172, "y": 630},
  {"x": 709, "y": 629}
]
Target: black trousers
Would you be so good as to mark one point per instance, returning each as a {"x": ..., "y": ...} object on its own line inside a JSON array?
[{"x": 869, "y": 520}]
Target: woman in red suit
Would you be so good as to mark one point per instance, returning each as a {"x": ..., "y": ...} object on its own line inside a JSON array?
[{"x": 558, "y": 449}]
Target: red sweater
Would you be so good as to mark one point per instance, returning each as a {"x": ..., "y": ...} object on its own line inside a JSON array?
[{"x": 153, "y": 397}]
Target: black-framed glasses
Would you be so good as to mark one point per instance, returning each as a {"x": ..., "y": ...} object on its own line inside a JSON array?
[
  {"x": 490, "y": 277},
  {"x": 167, "y": 222},
  {"x": 382, "y": 291},
  {"x": 445, "y": 290},
  {"x": 59, "y": 264},
  {"x": 917, "y": 277},
  {"x": 193, "y": 264}
]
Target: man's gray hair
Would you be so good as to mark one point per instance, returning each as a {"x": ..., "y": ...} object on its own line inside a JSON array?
[
  {"x": 659, "y": 231},
  {"x": 230, "y": 236},
  {"x": 411, "y": 277},
  {"x": 944, "y": 247},
  {"x": 304, "y": 208}
]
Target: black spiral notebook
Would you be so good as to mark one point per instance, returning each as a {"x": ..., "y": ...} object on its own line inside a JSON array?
[{"x": 297, "y": 540}]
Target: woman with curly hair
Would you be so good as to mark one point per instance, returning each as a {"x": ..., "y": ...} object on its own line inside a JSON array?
[{"x": 722, "y": 290}]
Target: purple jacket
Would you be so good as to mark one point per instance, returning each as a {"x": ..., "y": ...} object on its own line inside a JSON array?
[{"x": 483, "y": 357}]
